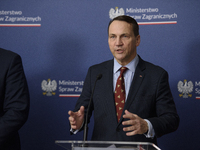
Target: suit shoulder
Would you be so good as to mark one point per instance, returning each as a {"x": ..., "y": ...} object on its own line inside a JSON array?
[
  {"x": 104, "y": 64},
  {"x": 7, "y": 57},
  {"x": 149, "y": 64},
  {"x": 5, "y": 54},
  {"x": 154, "y": 68}
]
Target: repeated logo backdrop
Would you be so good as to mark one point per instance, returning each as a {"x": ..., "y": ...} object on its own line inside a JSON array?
[{"x": 59, "y": 40}]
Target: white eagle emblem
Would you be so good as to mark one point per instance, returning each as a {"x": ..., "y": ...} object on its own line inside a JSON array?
[
  {"x": 49, "y": 86},
  {"x": 185, "y": 88},
  {"x": 117, "y": 12}
]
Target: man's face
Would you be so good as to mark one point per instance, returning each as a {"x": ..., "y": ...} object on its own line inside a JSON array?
[{"x": 122, "y": 41}]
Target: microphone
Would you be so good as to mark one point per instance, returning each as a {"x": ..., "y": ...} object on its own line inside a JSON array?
[{"x": 86, "y": 119}]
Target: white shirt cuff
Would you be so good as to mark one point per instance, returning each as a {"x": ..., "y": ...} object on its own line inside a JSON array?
[
  {"x": 73, "y": 131},
  {"x": 151, "y": 132}
]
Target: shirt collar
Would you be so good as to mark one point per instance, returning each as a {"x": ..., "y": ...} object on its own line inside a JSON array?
[{"x": 131, "y": 66}]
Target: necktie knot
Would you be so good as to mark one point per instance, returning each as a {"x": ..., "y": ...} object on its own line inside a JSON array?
[{"x": 122, "y": 70}]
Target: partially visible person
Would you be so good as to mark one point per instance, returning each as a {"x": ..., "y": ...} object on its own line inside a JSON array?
[{"x": 14, "y": 99}]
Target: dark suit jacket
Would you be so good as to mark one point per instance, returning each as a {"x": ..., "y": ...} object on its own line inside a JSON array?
[
  {"x": 149, "y": 97},
  {"x": 14, "y": 99}
]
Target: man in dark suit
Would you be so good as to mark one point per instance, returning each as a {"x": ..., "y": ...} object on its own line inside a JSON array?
[
  {"x": 149, "y": 111},
  {"x": 14, "y": 99}
]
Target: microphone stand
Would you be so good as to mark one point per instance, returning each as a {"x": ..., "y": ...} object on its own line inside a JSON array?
[{"x": 86, "y": 119}]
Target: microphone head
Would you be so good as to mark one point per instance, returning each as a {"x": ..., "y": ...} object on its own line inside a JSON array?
[{"x": 99, "y": 76}]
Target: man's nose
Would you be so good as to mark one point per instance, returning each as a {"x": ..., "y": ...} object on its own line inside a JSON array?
[{"x": 119, "y": 42}]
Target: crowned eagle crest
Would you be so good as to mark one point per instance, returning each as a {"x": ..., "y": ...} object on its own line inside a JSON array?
[
  {"x": 116, "y": 12},
  {"x": 185, "y": 88},
  {"x": 49, "y": 86}
]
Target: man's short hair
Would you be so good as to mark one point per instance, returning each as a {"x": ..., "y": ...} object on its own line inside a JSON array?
[{"x": 129, "y": 20}]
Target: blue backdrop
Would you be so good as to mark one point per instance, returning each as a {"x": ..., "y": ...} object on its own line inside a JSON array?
[{"x": 59, "y": 40}]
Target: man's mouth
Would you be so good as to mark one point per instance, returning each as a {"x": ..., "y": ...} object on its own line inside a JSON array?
[{"x": 119, "y": 51}]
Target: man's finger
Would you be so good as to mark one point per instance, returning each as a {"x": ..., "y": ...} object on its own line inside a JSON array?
[
  {"x": 132, "y": 133},
  {"x": 81, "y": 110},
  {"x": 129, "y": 128},
  {"x": 129, "y": 122},
  {"x": 71, "y": 113},
  {"x": 71, "y": 119},
  {"x": 129, "y": 115}
]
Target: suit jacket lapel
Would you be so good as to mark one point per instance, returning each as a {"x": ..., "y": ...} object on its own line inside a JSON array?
[
  {"x": 135, "y": 85},
  {"x": 109, "y": 86}
]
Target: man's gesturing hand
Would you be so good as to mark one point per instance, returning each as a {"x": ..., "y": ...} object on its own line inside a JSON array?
[
  {"x": 136, "y": 125},
  {"x": 76, "y": 118}
]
